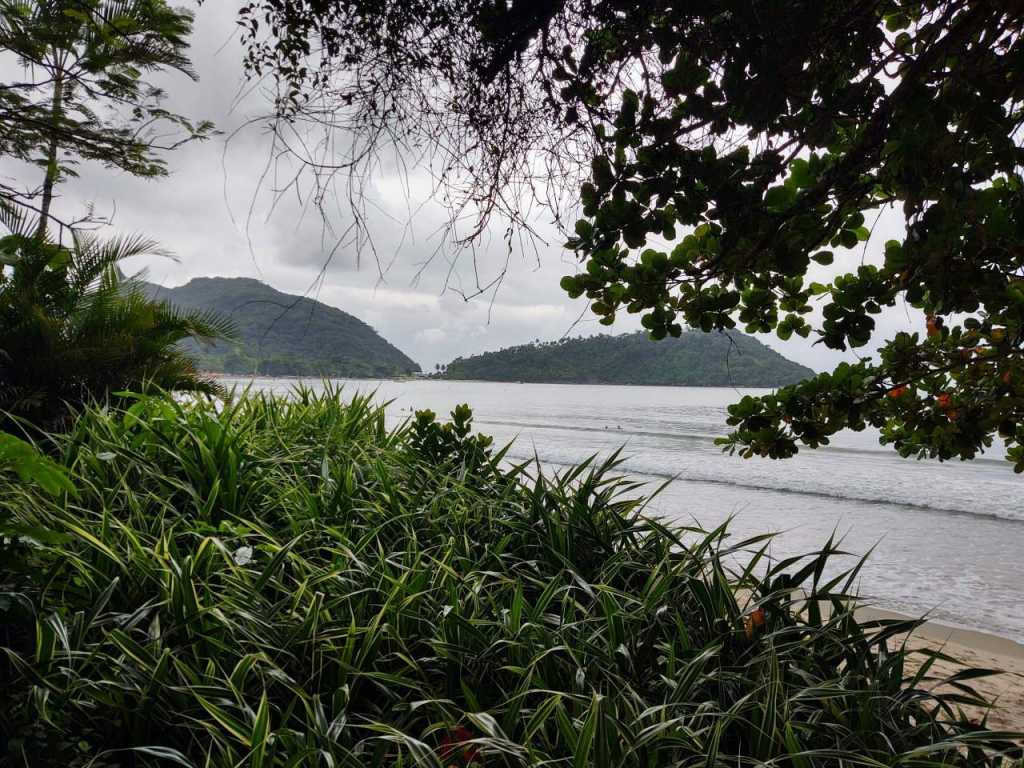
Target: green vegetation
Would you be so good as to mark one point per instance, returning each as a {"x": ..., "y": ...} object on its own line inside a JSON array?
[
  {"x": 916, "y": 109},
  {"x": 81, "y": 93},
  {"x": 284, "y": 335},
  {"x": 693, "y": 360},
  {"x": 73, "y": 328},
  {"x": 253, "y": 581},
  {"x": 273, "y": 582}
]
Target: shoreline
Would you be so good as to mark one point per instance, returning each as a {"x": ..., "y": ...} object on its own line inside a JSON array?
[
  {"x": 970, "y": 648},
  {"x": 432, "y": 377},
  {"x": 938, "y": 632}
]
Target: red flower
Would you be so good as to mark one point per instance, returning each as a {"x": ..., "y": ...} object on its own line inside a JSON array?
[{"x": 455, "y": 746}]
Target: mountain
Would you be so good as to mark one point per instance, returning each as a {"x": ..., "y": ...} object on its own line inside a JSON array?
[
  {"x": 284, "y": 335},
  {"x": 695, "y": 359}
]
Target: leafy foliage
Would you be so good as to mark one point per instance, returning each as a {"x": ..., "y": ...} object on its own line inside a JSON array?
[
  {"x": 692, "y": 360},
  {"x": 772, "y": 157},
  {"x": 452, "y": 446},
  {"x": 73, "y": 328},
  {"x": 283, "y": 335},
  {"x": 32, "y": 466},
  {"x": 82, "y": 95},
  {"x": 268, "y": 583}
]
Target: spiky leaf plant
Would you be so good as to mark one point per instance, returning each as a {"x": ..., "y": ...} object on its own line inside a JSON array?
[
  {"x": 267, "y": 582},
  {"x": 73, "y": 327}
]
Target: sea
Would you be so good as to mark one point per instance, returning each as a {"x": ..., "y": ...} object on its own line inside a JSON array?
[{"x": 943, "y": 540}]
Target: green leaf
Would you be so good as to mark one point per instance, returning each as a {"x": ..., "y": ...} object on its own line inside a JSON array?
[
  {"x": 260, "y": 732},
  {"x": 800, "y": 174},
  {"x": 230, "y": 723},
  {"x": 585, "y": 740},
  {"x": 779, "y": 198},
  {"x": 33, "y": 467},
  {"x": 896, "y": 21}
]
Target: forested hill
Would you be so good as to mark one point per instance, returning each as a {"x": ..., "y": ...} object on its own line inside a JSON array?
[
  {"x": 284, "y": 335},
  {"x": 694, "y": 359}
]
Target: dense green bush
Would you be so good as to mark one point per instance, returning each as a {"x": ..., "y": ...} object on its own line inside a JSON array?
[{"x": 290, "y": 583}]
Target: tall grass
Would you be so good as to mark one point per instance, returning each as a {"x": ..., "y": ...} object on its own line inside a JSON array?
[{"x": 271, "y": 582}]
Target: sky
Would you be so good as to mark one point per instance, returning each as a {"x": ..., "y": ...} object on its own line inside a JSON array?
[{"x": 214, "y": 214}]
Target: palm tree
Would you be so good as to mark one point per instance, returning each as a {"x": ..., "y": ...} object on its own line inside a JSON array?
[{"x": 74, "y": 328}]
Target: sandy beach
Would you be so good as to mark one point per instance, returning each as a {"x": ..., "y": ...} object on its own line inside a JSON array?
[{"x": 979, "y": 650}]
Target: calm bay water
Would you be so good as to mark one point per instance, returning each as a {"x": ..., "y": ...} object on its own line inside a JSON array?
[{"x": 947, "y": 539}]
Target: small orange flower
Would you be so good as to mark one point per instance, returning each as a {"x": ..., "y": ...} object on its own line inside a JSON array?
[
  {"x": 934, "y": 325},
  {"x": 753, "y": 622},
  {"x": 944, "y": 402},
  {"x": 897, "y": 392}
]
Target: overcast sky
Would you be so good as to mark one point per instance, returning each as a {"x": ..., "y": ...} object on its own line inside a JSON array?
[{"x": 201, "y": 214}]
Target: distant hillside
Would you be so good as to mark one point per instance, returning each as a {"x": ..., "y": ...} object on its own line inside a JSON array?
[
  {"x": 284, "y": 335},
  {"x": 694, "y": 359}
]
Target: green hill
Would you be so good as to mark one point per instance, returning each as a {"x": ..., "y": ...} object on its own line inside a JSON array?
[
  {"x": 694, "y": 359},
  {"x": 284, "y": 335}
]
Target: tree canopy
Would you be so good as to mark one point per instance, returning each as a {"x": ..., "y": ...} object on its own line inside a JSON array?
[
  {"x": 693, "y": 360},
  {"x": 468, "y": 87},
  {"x": 734, "y": 146},
  {"x": 919, "y": 109},
  {"x": 82, "y": 94},
  {"x": 72, "y": 328}
]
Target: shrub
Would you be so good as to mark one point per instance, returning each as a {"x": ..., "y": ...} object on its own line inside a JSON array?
[
  {"x": 270, "y": 582},
  {"x": 74, "y": 329}
]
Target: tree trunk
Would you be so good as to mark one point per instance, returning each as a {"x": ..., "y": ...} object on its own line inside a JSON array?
[{"x": 51, "y": 156}]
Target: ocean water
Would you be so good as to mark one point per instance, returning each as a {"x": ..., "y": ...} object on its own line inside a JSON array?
[{"x": 946, "y": 540}]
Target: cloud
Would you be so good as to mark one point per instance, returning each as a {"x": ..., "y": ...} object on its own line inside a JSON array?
[{"x": 430, "y": 336}]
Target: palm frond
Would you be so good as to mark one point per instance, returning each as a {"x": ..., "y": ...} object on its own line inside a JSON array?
[
  {"x": 74, "y": 327},
  {"x": 94, "y": 256}
]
